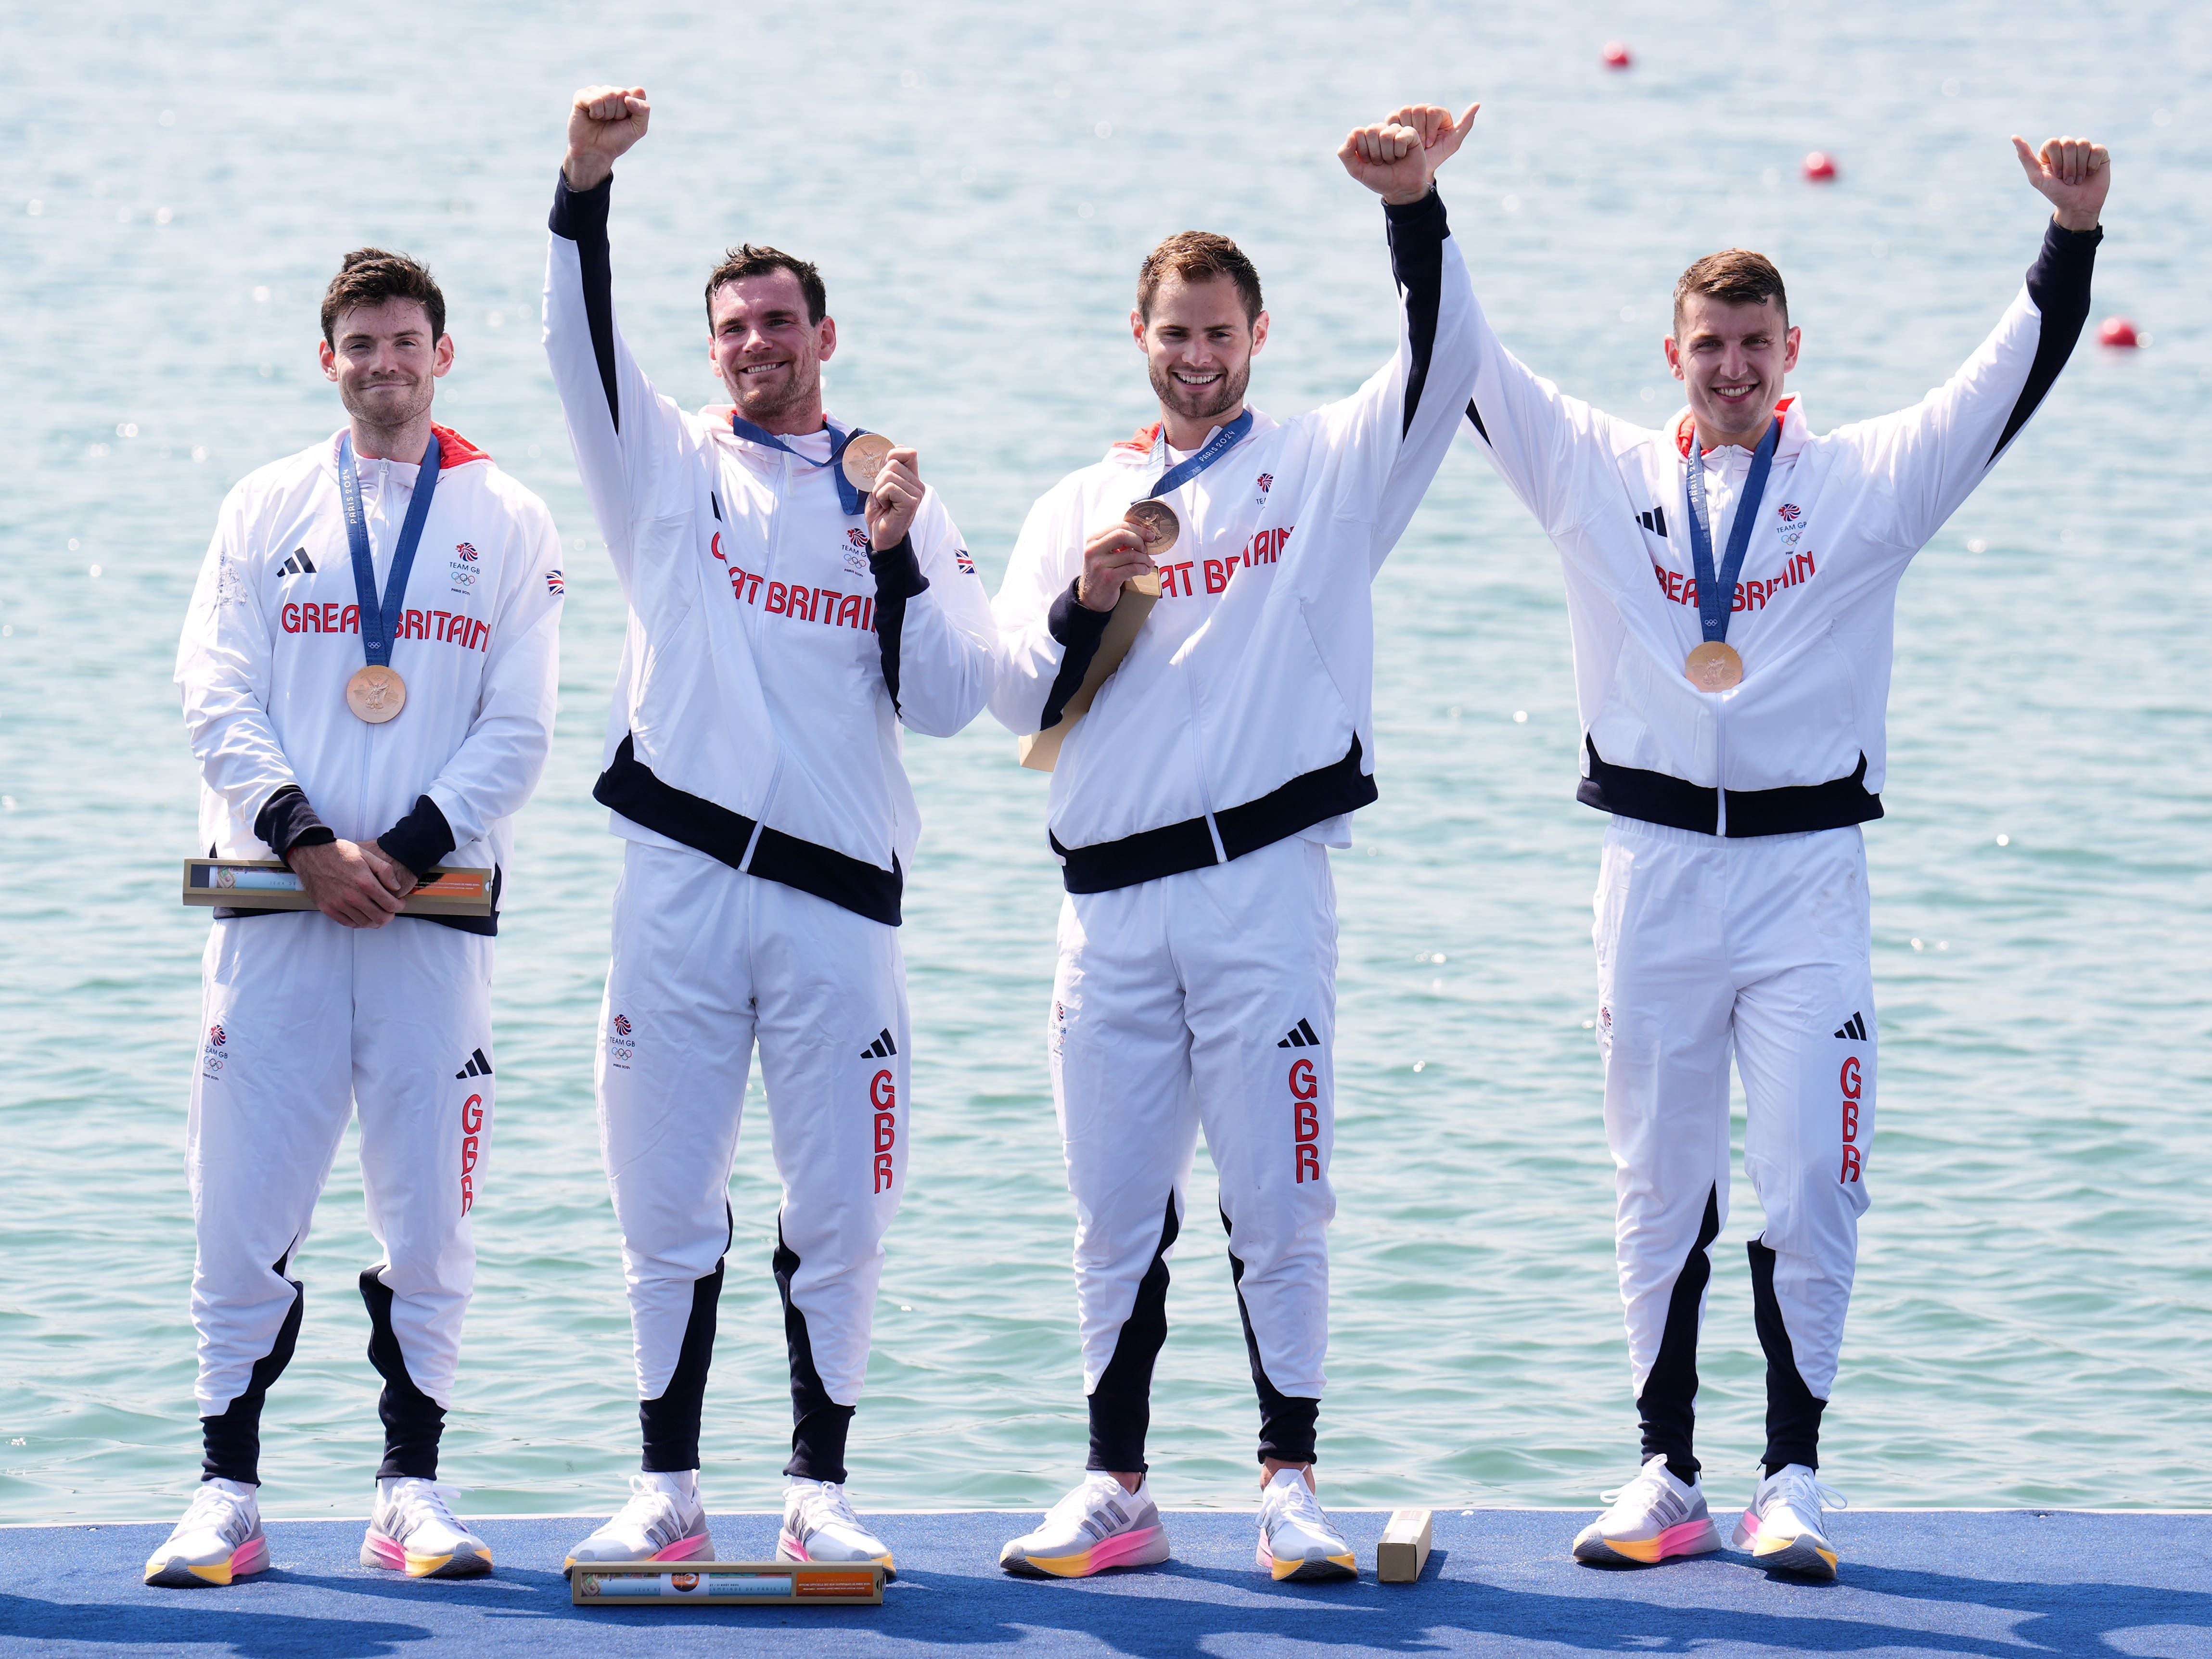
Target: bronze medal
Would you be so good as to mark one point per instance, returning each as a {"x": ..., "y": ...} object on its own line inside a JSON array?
[
  {"x": 864, "y": 458},
  {"x": 1156, "y": 524},
  {"x": 1714, "y": 666},
  {"x": 376, "y": 694}
]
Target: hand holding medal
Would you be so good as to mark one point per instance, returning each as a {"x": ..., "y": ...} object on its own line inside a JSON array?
[
  {"x": 890, "y": 478},
  {"x": 1113, "y": 558}
]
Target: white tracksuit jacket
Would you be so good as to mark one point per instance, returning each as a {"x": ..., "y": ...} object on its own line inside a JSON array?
[
  {"x": 771, "y": 660},
  {"x": 1197, "y": 961},
  {"x": 768, "y": 666},
  {"x": 305, "y": 1022},
  {"x": 1732, "y": 914}
]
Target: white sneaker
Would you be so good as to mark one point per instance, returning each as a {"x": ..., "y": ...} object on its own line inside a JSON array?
[
  {"x": 819, "y": 1525},
  {"x": 664, "y": 1521},
  {"x": 410, "y": 1530},
  {"x": 1295, "y": 1539},
  {"x": 1653, "y": 1517},
  {"x": 218, "y": 1540},
  {"x": 1781, "y": 1527},
  {"x": 1097, "y": 1526}
]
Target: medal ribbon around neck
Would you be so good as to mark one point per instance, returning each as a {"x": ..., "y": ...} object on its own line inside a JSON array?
[
  {"x": 379, "y": 622},
  {"x": 1225, "y": 439},
  {"x": 1716, "y": 593},
  {"x": 852, "y": 499}
]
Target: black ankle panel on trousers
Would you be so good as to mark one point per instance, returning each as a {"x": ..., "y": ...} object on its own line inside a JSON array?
[
  {"x": 1121, "y": 1404},
  {"x": 1793, "y": 1415},
  {"x": 231, "y": 1444},
  {"x": 1668, "y": 1405},
  {"x": 818, "y": 1423},
  {"x": 412, "y": 1420},
  {"x": 1288, "y": 1423},
  {"x": 669, "y": 1426}
]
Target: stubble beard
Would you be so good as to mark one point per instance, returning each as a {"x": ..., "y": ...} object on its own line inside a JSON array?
[
  {"x": 385, "y": 414},
  {"x": 1227, "y": 394},
  {"x": 760, "y": 406}
]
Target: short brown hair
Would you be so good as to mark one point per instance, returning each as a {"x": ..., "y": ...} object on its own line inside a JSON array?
[
  {"x": 369, "y": 276},
  {"x": 746, "y": 260},
  {"x": 1735, "y": 275},
  {"x": 1195, "y": 256}
]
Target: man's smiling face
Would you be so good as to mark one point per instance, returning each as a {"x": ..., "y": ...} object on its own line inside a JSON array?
[
  {"x": 1198, "y": 345},
  {"x": 1731, "y": 359},
  {"x": 765, "y": 348}
]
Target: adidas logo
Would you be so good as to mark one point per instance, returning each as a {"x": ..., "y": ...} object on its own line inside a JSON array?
[
  {"x": 477, "y": 1067},
  {"x": 1655, "y": 522},
  {"x": 882, "y": 1049},
  {"x": 1302, "y": 1037},
  {"x": 298, "y": 565},
  {"x": 1854, "y": 1028}
]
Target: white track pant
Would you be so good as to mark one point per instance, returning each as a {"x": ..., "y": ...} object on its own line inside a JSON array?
[
  {"x": 303, "y": 1022},
  {"x": 705, "y": 962},
  {"x": 1757, "y": 946},
  {"x": 1204, "y": 998}
]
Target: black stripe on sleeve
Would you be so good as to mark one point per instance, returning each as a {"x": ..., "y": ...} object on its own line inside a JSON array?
[
  {"x": 1417, "y": 233},
  {"x": 421, "y": 839},
  {"x": 582, "y": 216},
  {"x": 286, "y": 821},
  {"x": 2058, "y": 283},
  {"x": 1475, "y": 414},
  {"x": 1079, "y": 628},
  {"x": 898, "y": 579}
]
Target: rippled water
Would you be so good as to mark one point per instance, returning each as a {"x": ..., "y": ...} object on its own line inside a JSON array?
[{"x": 2034, "y": 1315}]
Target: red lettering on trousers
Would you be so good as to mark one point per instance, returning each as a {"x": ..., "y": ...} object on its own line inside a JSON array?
[
  {"x": 886, "y": 1132},
  {"x": 1850, "y": 1165},
  {"x": 883, "y": 1089},
  {"x": 884, "y": 1175},
  {"x": 1850, "y": 1077},
  {"x": 1305, "y": 1118},
  {"x": 1851, "y": 1121},
  {"x": 472, "y": 1126}
]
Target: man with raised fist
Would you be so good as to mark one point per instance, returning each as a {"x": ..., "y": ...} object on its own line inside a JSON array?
[
  {"x": 796, "y": 596},
  {"x": 1731, "y": 578},
  {"x": 1194, "y": 804}
]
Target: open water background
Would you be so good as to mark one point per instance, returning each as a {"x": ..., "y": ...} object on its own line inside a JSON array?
[{"x": 2033, "y": 1322}]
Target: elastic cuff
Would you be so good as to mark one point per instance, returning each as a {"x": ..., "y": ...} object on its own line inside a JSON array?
[
  {"x": 898, "y": 571},
  {"x": 1426, "y": 215},
  {"x": 1073, "y": 623},
  {"x": 1288, "y": 1433},
  {"x": 579, "y": 213},
  {"x": 2078, "y": 243},
  {"x": 286, "y": 821},
  {"x": 419, "y": 839}
]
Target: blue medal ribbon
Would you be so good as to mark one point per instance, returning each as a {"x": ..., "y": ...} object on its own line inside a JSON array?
[
  {"x": 854, "y": 501},
  {"x": 1225, "y": 439},
  {"x": 379, "y": 621},
  {"x": 1716, "y": 593}
]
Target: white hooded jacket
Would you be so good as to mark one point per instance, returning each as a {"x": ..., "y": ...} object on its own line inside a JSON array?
[{"x": 273, "y": 635}]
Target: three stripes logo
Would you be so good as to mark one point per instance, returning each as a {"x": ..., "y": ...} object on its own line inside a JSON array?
[
  {"x": 1302, "y": 1037},
  {"x": 477, "y": 1067},
  {"x": 882, "y": 1049},
  {"x": 1854, "y": 1028},
  {"x": 298, "y": 565},
  {"x": 1655, "y": 522}
]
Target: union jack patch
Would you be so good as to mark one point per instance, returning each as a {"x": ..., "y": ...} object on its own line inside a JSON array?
[
  {"x": 554, "y": 585},
  {"x": 1266, "y": 481},
  {"x": 859, "y": 539},
  {"x": 468, "y": 553},
  {"x": 960, "y": 557}
]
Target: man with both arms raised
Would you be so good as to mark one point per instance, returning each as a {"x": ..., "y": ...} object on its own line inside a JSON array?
[
  {"x": 790, "y": 608},
  {"x": 1731, "y": 580},
  {"x": 369, "y": 669},
  {"x": 1193, "y": 806}
]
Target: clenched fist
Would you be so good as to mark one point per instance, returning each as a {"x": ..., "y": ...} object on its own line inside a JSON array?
[
  {"x": 603, "y": 122},
  {"x": 1397, "y": 158}
]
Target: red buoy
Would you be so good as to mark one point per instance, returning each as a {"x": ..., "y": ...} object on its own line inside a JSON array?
[
  {"x": 1821, "y": 167},
  {"x": 2117, "y": 332},
  {"x": 1616, "y": 56}
]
